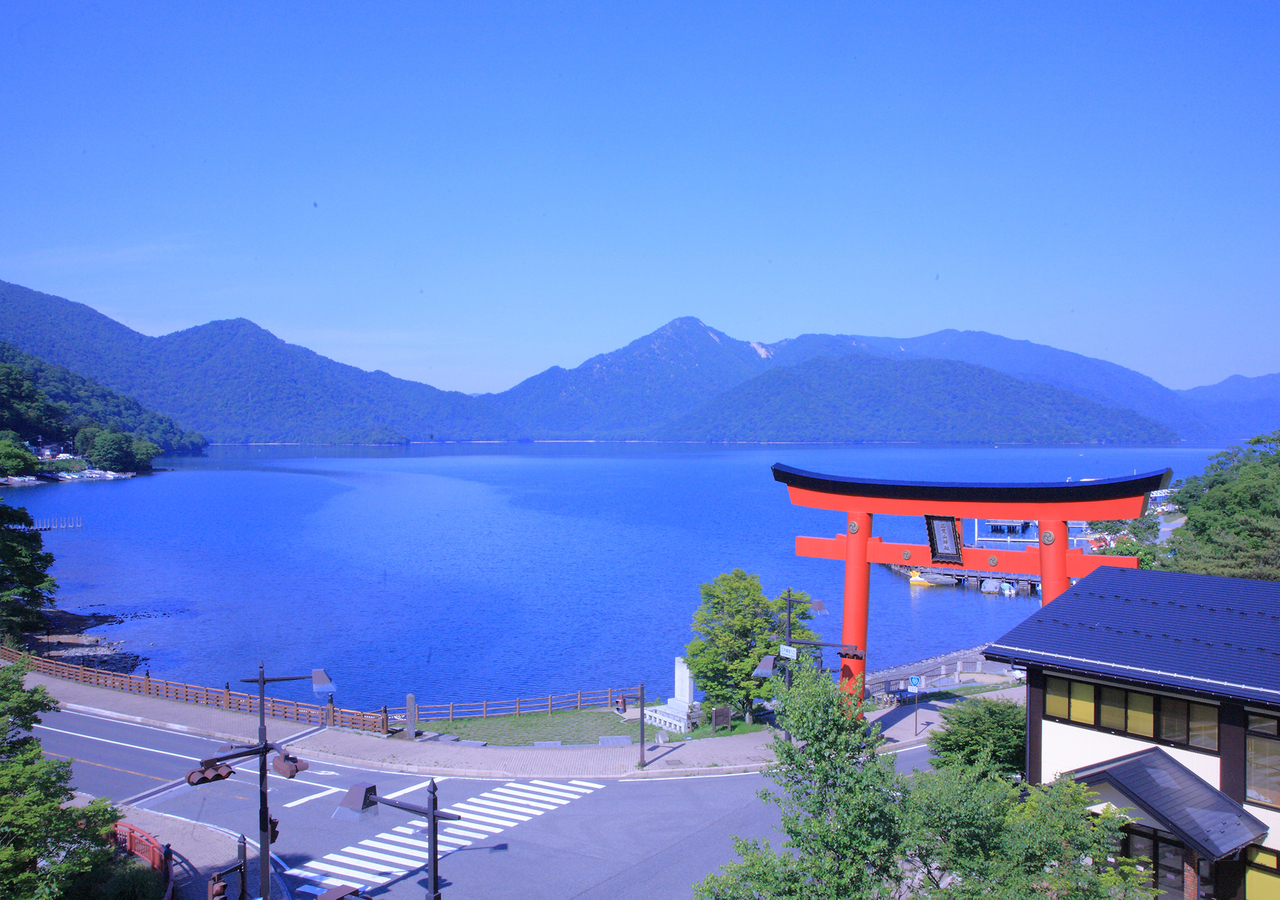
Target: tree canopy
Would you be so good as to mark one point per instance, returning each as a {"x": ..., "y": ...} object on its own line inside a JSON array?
[
  {"x": 44, "y": 846},
  {"x": 989, "y": 734},
  {"x": 856, "y": 830},
  {"x": 25, "y": 584},
  {"x": 736, "y": 626}
]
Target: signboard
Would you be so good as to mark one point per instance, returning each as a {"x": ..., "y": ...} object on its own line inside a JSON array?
[
  {"x": 787, "y": 652},
  {"x": 913, "y": 684},
  {"x": 721, "y": 717},
  {"x": 946, "y": 545}
]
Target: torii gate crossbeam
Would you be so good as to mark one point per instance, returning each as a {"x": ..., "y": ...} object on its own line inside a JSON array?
[{"x": 1051, "y": 505}]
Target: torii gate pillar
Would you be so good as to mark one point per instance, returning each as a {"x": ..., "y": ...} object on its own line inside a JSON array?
[{"x": 1052, "y": 505}]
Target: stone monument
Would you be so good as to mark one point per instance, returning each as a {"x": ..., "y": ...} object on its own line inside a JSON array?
[{"x": 677, "y": 714}]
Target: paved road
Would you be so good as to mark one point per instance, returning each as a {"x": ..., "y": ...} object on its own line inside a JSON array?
[{"x": 530, "y": 838}]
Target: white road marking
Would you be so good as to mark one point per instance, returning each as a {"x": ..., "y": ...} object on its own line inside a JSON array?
[
  {"x": 89, "y": 737},
  {"x": 541, "y": 799},
  {"x": 517, "y": 811},
  {"x": 585, "y": 784},
  {"x": 542, "y": 793},
  {"x": 497, "y": 816},
  {"x": 414, "y": 854},
  {"x": 410, "y": 790},
  {"x": 384, "y": 857},
  {"x": 325, "y": 793},
  {"x": 512, "y": 797},
  {"x": 338, "y": 870},
  {"x": 470, "y": 834},
  {"x": 381, "y": 868}
]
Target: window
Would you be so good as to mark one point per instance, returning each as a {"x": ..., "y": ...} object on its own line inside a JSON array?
[
  {"x": 1262, "y": 877},
  {"x": 1170, "y": 720},
  {"x": 1163, "y": 867},
  {"x": 1262, "y": 761}
]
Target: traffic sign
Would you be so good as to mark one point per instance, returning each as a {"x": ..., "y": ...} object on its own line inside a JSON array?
[
  {"x": 913, "y": 684},
  {"x": 787, "y": 652}
]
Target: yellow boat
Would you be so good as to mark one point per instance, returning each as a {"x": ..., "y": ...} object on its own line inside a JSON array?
[{"x": 919, "y": 580}]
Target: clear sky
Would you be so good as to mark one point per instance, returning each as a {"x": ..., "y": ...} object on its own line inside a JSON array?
[{"x": 466, "y": 194}]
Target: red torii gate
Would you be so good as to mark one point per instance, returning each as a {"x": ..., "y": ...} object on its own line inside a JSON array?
[{"x": 1051, "y": 504}]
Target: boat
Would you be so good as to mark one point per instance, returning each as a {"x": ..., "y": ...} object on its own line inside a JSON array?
[
  {"x": 939, "y": 579},
  {"x": 990, "y": 586},
  {"x": 919, "y": 580},
  {"x": 1008, "y": 588}
]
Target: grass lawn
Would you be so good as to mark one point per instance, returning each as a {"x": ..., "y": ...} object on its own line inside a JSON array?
[{"x": 569, "y": 726}]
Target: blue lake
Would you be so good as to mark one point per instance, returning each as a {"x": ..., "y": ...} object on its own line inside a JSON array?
[{"x": 469, "y": 572}]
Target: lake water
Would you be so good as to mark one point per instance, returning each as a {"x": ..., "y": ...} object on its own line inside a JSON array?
[{"x": 469, "y": 572}]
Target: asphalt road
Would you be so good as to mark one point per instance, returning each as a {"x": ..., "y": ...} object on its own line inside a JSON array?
[{"x": 596, "y": 840}]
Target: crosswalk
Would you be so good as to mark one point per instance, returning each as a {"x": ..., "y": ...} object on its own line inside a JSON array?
[{"x": 399, "y": 851}]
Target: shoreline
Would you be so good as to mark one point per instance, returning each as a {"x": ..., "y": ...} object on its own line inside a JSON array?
[{"x": 65, "y": 638}]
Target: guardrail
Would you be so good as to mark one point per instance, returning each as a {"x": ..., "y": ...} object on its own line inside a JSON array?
[{"x": 142, "y": 845}]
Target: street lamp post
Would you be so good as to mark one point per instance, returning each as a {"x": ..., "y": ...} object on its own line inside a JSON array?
[{"x": 362, "y": 800}]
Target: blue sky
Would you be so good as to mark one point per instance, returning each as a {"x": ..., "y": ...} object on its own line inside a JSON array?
[{"x": 466, "y": 194}]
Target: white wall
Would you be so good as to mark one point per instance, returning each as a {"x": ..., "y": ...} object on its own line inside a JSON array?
[
  {"x": 1271, "y": 817},
  {"x": 1066, "y": 747}
]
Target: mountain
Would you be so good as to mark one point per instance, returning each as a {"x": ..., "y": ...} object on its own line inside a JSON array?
[
  {"x": 630, "y": 392},
  {"x": 235, "y": 382},
  {"x": 1238, "y": 408},
  {"x": 1094, "y": 379},
  {"x": 864, "y": 398},
  {"x": 86, "y": 402}
]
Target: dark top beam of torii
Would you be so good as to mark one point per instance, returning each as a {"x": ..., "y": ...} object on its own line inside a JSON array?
[{"x": 1050, "y": 504}]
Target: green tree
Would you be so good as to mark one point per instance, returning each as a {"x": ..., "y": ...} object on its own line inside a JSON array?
[
  {"x": 989, "y": 734},
  {"x": 736, "y": 626},
  {"x": 86, "y": 437},
  {"x": 16, "y": 459},
  {"x": 143, "y": 453},
  {"x": 113, "y": 451},
  {"x": 839, "y": 802},
  {"x": 1233, "y": 514},
  {"x": 25, "y": 584},
  {"x": 43, "y": 846},
  {"x": 971, "y": 834}
]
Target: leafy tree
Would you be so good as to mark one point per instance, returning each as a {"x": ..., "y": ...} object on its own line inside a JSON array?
[
  {"x": 143, "y": 453},
  {"x": 839, "y": 802},
  {"x": 1233, "y": 514},
  {"x": 43, "y": 846},
  {"x": 86, "y": 438},
  {"x": 16, "y": 459},
  {"x": 25, "y": 584},
  {"x": 25, "y": 410},
  {"x": 972, "y": 834},
  {"x": 113, "y": 451},
  {"x": 988, "y": 734},
  {"x": 1145, "y": 529},
  {"x": 736, "y": 626}
]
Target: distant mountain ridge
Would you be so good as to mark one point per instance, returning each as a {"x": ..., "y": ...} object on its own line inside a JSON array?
[{"x": 236, "y": 382}]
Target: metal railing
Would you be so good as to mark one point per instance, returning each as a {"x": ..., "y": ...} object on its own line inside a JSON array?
[{"x": 521, "y": 706}]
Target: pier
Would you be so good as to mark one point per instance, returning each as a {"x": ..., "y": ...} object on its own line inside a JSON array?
[{"x": 61, "y": 523}]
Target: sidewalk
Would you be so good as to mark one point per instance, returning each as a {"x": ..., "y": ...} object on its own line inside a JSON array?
[{"x": 722, "y": 755}]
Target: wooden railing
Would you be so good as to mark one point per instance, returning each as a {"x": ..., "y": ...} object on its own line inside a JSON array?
[
  {"x": 142, "y": 845},
  {"x": 308, "y": 713},
  {"x": 218, "y": 698}
]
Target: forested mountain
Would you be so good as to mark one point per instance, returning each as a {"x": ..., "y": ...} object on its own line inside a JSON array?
[
  {"x": 236, "y": 382},
  {"x": 86, "y": 402},
  {"x": 633, "y": 391},
  {"x": 1238, "y": 407},
  {"x": 865, "y": 398}
]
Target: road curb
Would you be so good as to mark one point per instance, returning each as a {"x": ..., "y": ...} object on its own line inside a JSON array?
[{"x": 154, "y": 723}]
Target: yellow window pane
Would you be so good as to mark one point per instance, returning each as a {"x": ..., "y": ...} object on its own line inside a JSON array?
[
  {"x": 1112, "y": 715},
  {"x": 1055, "y": 697},
  {"x": 1142, "y": 719},
  {"x": 1204, "y": 726},
  {"x": 1259, "y": 885},
  {"x": 1262, "y": 856},
  {"x": 1082, "y": 702}
]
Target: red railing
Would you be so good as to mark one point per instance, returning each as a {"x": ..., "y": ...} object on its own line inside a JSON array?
[{"x": 142, "y": 845}]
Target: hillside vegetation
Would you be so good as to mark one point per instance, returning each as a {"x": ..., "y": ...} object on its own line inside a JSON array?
[{"x": 861, "y": 398}]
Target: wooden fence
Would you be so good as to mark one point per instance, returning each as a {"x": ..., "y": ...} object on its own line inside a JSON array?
[
  {"x": 218, "y": 698},
  {"x": 379, "y": 721}
]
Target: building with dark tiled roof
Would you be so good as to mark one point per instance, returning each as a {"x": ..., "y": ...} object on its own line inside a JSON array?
[{"x": 1162, "y": 691}]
